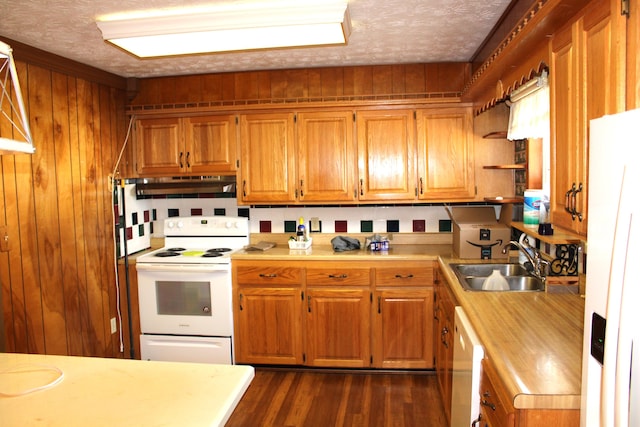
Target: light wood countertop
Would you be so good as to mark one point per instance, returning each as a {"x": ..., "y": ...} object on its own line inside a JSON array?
[
  {"x": 118, "y": 392},
  {"x": 326, "y": 253},
  {"x": 534, "y": 339}
]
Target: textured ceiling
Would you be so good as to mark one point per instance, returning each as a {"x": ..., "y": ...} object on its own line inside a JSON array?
[{"x": 384, "y": 32}]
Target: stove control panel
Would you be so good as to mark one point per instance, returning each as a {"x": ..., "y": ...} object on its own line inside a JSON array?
[{"x": 206, "y": 226}]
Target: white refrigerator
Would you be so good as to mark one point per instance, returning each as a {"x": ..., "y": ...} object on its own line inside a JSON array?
[{"x": 611, "y": 350}]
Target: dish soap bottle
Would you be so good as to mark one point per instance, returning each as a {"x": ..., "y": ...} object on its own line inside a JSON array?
[
  {"x": 495, "y": 282},
  {"x": 301, "y": 234}
]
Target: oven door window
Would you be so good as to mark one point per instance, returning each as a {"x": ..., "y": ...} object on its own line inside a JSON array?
[{"x": 181, "y": 298}]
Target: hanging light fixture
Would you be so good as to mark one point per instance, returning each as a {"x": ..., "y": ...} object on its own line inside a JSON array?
[
  {"x": 230, "y": 27},
  {"x": 12, "y": 111}
]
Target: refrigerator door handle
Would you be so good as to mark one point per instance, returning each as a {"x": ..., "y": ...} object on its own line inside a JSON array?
[{"x": 614, "y": 403}]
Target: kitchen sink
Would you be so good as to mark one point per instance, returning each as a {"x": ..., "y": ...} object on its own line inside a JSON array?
[{"x": 472, "y": 276}]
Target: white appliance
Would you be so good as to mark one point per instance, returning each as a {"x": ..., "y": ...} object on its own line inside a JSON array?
[
  {"x": 184, "y": 290},
  {"x": 467, "y": 359},
  {"x": 611, "y": 362}
]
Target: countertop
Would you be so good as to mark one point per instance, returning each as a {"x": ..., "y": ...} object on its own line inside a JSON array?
[
  {"x": 533, "y": 338},
  {"x": 326, "y": 252},
  {"x": 109, "y": 392}
]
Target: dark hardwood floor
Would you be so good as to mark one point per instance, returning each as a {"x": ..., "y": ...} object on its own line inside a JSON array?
[{"x": 311, "y": 398}]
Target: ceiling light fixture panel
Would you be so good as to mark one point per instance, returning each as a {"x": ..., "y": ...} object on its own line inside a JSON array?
[{"x": 283, "y": 24}]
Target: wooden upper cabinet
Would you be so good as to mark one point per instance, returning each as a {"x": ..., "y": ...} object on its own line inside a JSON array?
[
  {"x": 267, "y": 158},
  {"x": 326, "y": 156},
  {"x": 211, "y": 144},
  {"x": 585, "y": 82},
  {"x": 186, "y": 145},
  {"x": 159, "y": 146},
  {"x": 445, "y": 154},
  {"x": 386, "y": 155}
]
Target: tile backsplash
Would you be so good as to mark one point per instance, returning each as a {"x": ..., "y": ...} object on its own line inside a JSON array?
[{"x": 143, "y": 217}]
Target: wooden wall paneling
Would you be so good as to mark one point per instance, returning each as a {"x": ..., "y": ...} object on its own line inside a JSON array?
[
  {"x": 108, "y": 144},
  {"x": 89, "y": 134},
  {"x": 187, "y": 88},
  {"x": 68, "y": 176},
  {"x": 11, "y": 279},
  {"x": 398, "y": 82},
  {"x": 415, "y": 79},
  {"x": 211, "y": 87},
  {"x": 382, "y": 80},
  {"x": 264, "y": 85},
  {"x": 358, "y": 80},
  {"x": 228, "y": 87},
  {"x": 633, "y": 56},
  {"x": 246, "y": 85},
  {"x": 28, "y": 232}
]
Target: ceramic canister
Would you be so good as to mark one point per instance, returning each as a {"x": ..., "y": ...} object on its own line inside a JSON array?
[{"x": 531, "y": 213}]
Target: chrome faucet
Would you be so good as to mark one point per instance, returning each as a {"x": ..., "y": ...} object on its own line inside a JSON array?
[{"x": 539, "y": 264}]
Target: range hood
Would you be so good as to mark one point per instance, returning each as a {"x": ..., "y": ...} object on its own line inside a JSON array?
[{"x": 186, "y": 185}]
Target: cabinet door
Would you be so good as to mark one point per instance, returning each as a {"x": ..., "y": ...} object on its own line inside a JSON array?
[
  {"x": 445, "y": 154},
  {"x": 403, "y": 328},
  {"x": 269, "y": 325},
  {"x": 210, "y": 144},
  {"x": 386, "y": 155},
  {"x": 267, "y": 152},
  {"x": 326, "y": 156},
  {"x": 338, "y": 327},
  {"x": 443, "y": 342},
  {"x": 585, "y": 84},
  {"x": 159, "y": 146}
]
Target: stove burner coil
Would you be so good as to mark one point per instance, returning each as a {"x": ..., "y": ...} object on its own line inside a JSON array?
[
  {"x": 217, "y": 250},
  {"x": 175, "y": 249},
  {"x": 167, "y": 253}
]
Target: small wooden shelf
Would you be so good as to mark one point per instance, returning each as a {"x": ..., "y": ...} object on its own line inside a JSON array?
[
  {"x": 496, "y": 135},
  {"x": 511, "y": 167},
  {"x": 504, "y": 199},
  {"x": 559, "y": 236}
]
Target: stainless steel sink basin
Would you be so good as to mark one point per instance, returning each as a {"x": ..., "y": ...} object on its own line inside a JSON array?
[{"x": 472, "y": 276}]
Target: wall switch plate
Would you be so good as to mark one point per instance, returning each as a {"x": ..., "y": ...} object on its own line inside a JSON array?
[
  {"x": 315, "y": 225},
  {"x": 114, "y": 325}
]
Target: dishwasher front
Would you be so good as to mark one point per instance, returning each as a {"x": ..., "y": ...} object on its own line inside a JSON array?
[{"x": 467, "y": 359}]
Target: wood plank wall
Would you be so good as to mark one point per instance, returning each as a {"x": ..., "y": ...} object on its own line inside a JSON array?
[
  {"x": 314, "y": 83},
  {"x": 58, "y": 278}
]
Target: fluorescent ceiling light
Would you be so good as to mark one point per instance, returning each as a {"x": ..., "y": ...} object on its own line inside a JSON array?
[
  {"x": 14, "y": 115},
  {"x": 243, "y": 26}
]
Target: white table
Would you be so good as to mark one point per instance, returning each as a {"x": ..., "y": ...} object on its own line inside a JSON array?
[{"x": 118, "y": 392}]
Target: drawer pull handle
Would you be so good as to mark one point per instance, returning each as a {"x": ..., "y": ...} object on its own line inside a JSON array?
[
  {"x": 400, "y": 276},
  {"x": 268, "y": 276},
  {"x": 488, "y": 404},
  {"x": 338, "y": 276}
]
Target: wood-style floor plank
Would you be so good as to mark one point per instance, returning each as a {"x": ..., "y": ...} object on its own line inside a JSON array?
[{"x": 301, "y": 398}]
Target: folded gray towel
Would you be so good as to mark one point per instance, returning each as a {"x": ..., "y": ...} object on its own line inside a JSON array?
[{"x": 344, "y": 243}]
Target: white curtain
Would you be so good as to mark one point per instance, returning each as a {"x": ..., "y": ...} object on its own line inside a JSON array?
[{"x": 529, "y": 116}]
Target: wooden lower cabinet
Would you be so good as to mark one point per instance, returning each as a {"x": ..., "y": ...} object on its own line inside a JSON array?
[
  {"x": 496, "y": 408},
  {"x": 443, "y": 323},
  {"x": 402, "y": 317},
  {"x": 268, "y": 302},
  {"x": 345, "y": 314},
  {"x": 338, "y": 327}
]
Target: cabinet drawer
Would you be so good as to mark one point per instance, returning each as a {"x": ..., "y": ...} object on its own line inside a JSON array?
[
  {"x": 339, "y": 276},
  {"x": 269, "y": 275},
  {"x": 404, "y": 276},
  {"x": 494, "y": 403}
]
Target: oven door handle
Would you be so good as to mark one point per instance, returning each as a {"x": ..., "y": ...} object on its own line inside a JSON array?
[{"x": 183, "y": 268}]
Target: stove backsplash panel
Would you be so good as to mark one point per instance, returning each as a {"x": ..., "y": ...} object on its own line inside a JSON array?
[{"x": 144, "y": 216}]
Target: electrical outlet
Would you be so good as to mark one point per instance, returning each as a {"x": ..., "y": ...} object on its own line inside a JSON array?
[
  {"x": 114, "y": 325},
  {"x": 315, "y": 225}
]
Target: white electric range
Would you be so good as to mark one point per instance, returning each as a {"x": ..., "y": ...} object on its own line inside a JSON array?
[{"x": 184, "y": 290}]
